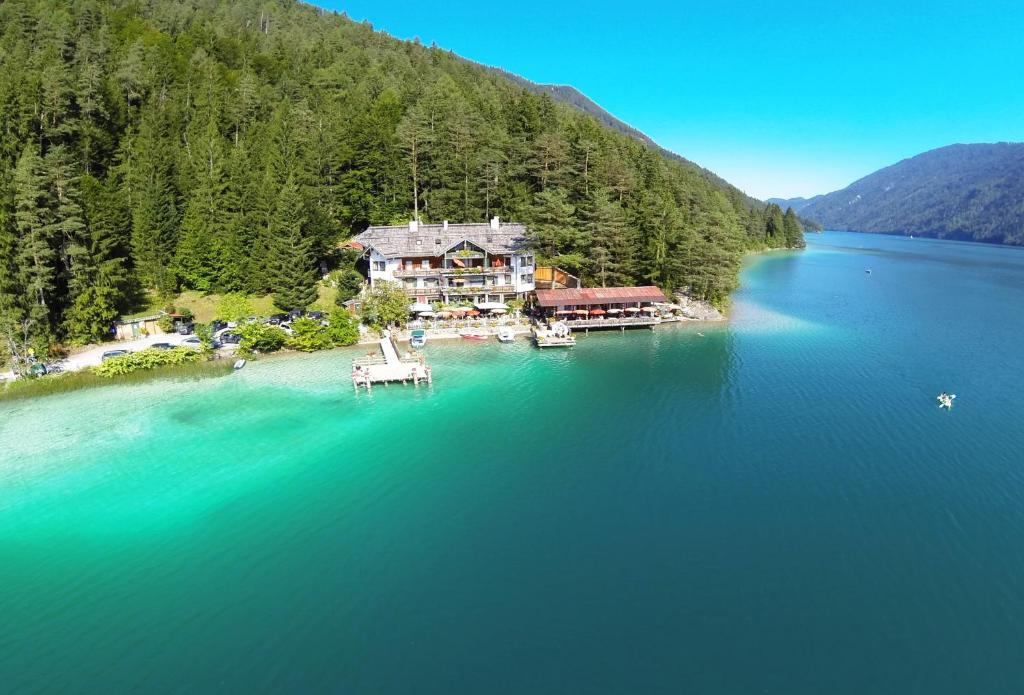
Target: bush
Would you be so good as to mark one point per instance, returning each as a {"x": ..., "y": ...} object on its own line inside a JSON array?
[
  {"x": 309, "y": 336},
  {"x": 146, "y": 359},
  {"x": 261, "y": 337},
  {"x": 343, "y": 329}
]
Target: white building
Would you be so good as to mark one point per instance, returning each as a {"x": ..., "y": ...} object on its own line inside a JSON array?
[{"x": 452, "y": 262}]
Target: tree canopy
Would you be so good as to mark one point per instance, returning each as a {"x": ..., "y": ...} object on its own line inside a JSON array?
[{"x": 230, "y": 146}]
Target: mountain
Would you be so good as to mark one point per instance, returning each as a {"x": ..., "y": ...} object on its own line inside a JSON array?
[
  {"x": 971, "y": 192},
  {"x": 569, "y": 95},
  {"x": 798, "y": 204},
  {"x": 229, "y": 146}
]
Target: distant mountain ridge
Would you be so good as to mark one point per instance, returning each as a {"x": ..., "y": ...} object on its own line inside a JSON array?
[
  {"x": 966, "y": 192},
  {"x": 569, "y": 95}
]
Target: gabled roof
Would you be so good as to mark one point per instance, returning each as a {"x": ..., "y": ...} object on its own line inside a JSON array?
[
  {"x": 435, "y": 239},
  {"x": 590, "y": 296}
]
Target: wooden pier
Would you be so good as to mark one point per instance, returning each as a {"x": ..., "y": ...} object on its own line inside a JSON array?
[{"x": 389, "y": 366}]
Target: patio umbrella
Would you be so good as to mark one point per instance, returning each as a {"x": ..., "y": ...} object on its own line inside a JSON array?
[
  {"x": 581, "y": 312},
  {"x": 632, "y": 309},
  {"x": 427, "y": 314},
  {"x": 498, "y": 311},
  {"x": 615, "y": 311},
  {"x": 492, "y": 306},
  {"x": 649, "y": 309},
  {"x": 472, "y": 312},
  {"x": 563, "y": 312},
  {"x": 459, "y": 310},
  {"x": 597, "y": 312},
  {"x": 444, "y": 314}
]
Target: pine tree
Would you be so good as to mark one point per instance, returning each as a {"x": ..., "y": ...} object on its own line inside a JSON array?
[
  {"x": 792, "y": 230},
  {"x": 35, "y": 253},
  {"x": 292, "y": 264},
  {"x": 154, "y": 204}
]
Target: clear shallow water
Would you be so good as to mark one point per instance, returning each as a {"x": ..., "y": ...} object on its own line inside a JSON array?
[{"x": 777, "y": 506}]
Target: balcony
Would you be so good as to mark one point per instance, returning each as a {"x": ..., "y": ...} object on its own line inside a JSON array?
[
  {"x": 448, "y": 272},
  {"x": 480, "y": 289}
]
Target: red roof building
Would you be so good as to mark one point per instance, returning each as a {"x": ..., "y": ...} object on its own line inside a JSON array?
[{"x": 599, "y": 296}]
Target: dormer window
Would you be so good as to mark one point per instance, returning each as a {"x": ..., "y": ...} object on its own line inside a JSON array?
[
  {"x": 437, "y": 241},
  {"x": 419, "y": 242}
]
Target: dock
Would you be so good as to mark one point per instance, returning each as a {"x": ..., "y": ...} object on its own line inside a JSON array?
[
  {"x": 389, "y": 366},
  {"x": 558, "y": 335}
]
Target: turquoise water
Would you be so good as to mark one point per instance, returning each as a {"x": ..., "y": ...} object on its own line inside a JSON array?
[{"x": 775, "y": 506}]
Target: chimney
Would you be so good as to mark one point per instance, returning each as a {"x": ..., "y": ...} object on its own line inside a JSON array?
[
  {"x": 495, "y": 223},
  {"x": 446, "y": 225},
  {"x": 414, "y": 225}
]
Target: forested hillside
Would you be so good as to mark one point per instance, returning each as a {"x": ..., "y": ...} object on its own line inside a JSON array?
[
  {"x": 151, "y": 147},
  {"x": 965, "y": 192}
]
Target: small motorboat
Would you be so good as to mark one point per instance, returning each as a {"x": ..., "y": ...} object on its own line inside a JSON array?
[
  {"x": 239, "y": 364},
  {"x": 471, "y": 334},
  {"x": 946, "y": 400},
  {"x": 868, "y": 271},
  {"x": 418, "y": 338},
  {"x": 506, "y": 335}
]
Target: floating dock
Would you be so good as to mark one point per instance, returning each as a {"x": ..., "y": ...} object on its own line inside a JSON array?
[
  {"x": 558, "y": 335},
  {"x": 389, "y": 366}
]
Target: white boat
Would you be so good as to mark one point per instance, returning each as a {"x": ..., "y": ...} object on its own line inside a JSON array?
[
  {"x": 506, "y": 335},
  {"x": 418, "y": 338},
  {"x": 946, "y": 400}
]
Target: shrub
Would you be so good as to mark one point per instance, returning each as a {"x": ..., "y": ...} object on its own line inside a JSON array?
[
  {"x": 261, "y": 337},
  {"x": 343, "y": 329},
  {"x": 309, "y": 336},
  {"x": 146, "y": 359}
]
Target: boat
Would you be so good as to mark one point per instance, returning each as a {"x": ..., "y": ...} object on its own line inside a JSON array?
[
  {"x": 506, "y": 335},
  {"x": 868, "y": 271},
  {"x": 239, "y": 364},
  {"x": 946, "y": 400},
  {"x": 472, "y": 334},
  {"x": 418, "y": 338}
]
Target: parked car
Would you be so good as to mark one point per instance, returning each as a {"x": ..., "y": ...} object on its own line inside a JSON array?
[
  {"x": 185, "y": 328},
  {"x": 295, "y": 314},
  {"x": 230, "y": 338},
  {"x": 218, "y": 326},
  {"x": 316, "y": 315},
  {"x": 276, "y": 319},
  {"x": 161, "y": 346},
  {"x": 111, "y": 354}
]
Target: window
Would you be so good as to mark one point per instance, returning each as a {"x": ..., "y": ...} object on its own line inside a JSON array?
[
  {"x": 380, "y": 266},
  {"x": 425, "y": 264},
  {"x": 526, "y": 261},
  {"x": 526, "y": 278}
]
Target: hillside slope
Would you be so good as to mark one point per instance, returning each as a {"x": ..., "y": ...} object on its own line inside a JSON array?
[
  {"x": 964, "y": 192},
  {"x": 228, "y": 146}
]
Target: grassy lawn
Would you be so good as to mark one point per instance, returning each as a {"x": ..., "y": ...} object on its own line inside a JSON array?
[{"x": 204, "y": 306}]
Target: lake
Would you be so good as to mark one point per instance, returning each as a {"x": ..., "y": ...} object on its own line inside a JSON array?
[{"x": 776, "y": 505}]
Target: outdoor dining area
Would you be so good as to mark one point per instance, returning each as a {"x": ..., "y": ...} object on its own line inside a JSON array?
[
  {"x": 479, "y": 315},
  {"x": 603, "y": 307}
]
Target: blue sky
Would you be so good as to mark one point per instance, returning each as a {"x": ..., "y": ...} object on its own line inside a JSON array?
[{"x": 781, "y": 98}]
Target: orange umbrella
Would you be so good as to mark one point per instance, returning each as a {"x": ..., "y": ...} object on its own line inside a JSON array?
[
  {"x": 472, "y": 312},
  {"x": 597, "y": 312}
]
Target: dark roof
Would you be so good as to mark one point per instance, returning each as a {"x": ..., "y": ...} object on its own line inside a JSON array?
[
  {"x": 590, "y": 296},
  {"x": 510, "y": 237}
]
